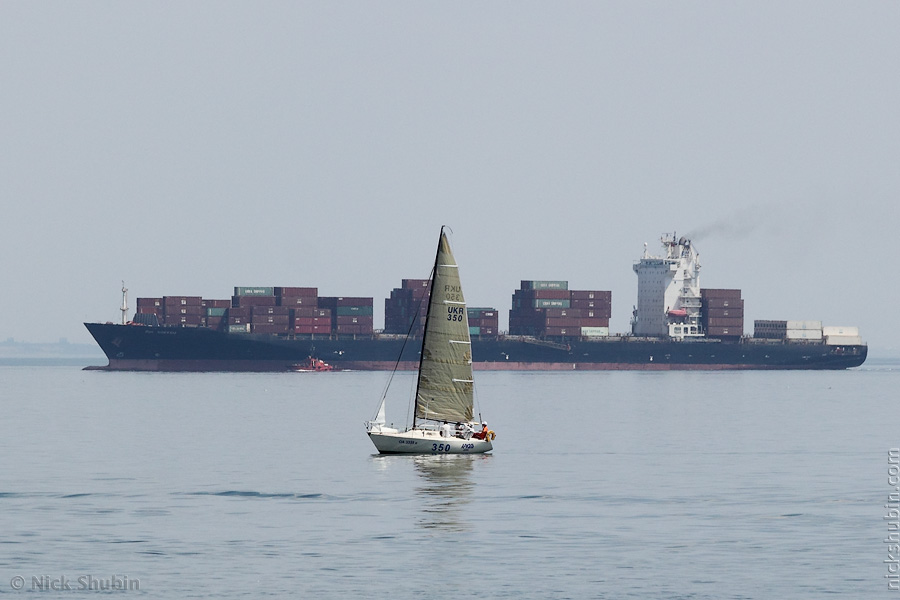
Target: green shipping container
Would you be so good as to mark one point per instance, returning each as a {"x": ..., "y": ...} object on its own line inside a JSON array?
[
  {"x": 254, "y": 291},
  {"x": 474, "y": 330},
  {"x": 552, "y": 303},
  {"x": 215, "y": 312}
]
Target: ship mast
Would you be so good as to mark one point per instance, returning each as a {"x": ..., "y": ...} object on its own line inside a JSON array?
[{"x": 124, "y": 308}]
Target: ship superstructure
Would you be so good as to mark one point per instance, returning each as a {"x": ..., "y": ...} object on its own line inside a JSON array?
[{"x": 669, "y": 303}]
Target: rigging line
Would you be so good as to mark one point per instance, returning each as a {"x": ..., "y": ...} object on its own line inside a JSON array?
[{"x": 405, "y": 340}]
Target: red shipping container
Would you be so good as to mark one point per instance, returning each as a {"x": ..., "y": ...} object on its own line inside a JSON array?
[
  {"x": 243, "y": 301},
  {"x": 312, "y": 321},
  {"x": 270, "y": 310},
  {"x": 354, "y": 320},
  {"x": 149, "y": 302},
  {"x": 601, "y": 295},
  {"x": 206, "y": 303},
  {"x": 306, "y": 329},
  {"x": 311, "y": 312},
  {"x": 297, "y": 291},
  {"x": 411, "y": 284},
  {"x": 293, "y": 301},
  {"x": 723, "y": 302},
  {"x": 216, "y": 323}
]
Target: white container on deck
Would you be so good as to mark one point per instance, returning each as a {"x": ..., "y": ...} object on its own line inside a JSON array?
[
  {"x": 595, "y": 331},
  {"x": 804, "y": 325},
  {"x": 827, "y": 331},
  {"x": 843, "y": 340},
  {"x": 803, "y": 334}
]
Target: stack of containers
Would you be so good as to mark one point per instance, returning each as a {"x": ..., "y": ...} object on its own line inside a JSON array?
[
  {"x": 150, "y": 306},
  {"x": 842, "y": 336},
  {"x": 186, "y": 311},
  {"x": 214, "y": 312},
  {"x": 149, "y": 311},
  {"x": 791, "y": 330},
  {"x": 350, "y": 316},
  {"x": 302, "y": 307},
  {"x": 769, "y": 329},
  {"x": 405, "y": 303},
  {"x": 549, "y": 308},
  {"x": 240, "y": 315},
  {"x": 803, "y": 330},
  {"x": 722, "y": 313},
  {"x": 483, "y": 322},
  {"x": 270, "y": 319}
]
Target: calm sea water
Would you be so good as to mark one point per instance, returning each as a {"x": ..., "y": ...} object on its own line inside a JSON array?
[{"x": 602, "y": 485}]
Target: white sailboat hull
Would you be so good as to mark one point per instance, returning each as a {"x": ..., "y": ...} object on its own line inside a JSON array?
[{"x": 426, "y": 441}]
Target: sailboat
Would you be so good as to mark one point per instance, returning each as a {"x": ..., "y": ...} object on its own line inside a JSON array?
[{"x": 444, "y": 403}]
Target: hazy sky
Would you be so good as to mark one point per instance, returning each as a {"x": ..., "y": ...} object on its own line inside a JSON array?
[{"x": 189, "y": 147}]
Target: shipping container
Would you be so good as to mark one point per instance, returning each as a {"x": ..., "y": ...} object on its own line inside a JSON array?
[
  {"x": 551, "y": 303},
  {"x": 177, "y": 310},
  {"x": 354, "y": 310},
  {"x": 353, "y": 329},
  {"x": 725, "y": 322},
  {"x": 215, "y": 312},
  {"x": 803, "y": 334},
  {"x": 353, "y": 320},
  {"x": 720, "y": 293},
  {"x": 544, "y": 285},
  {"x": 563, "y": 331},
  {"x": 730, "y": 332},
  {"x": 312, "y": 329},
  {"x": 270, "y": 310},
  {"x": 813, "y": 325},
  {"x": 601, "y": 295},
  {"x": 149, "y": 302},
  {"x": 543, "y": 294},
  {"x": 832, "y": 330},
  {"x": 253, "y": 291},
  {"x": 209, "y": 303},
  {"x": 239, "y": 328},
  {"x": 270, "y": 320},
  {"x": 411, "y": 284},
  {"x": 242, "y": 301},
  {"x": 309, "y": 311},
  {"x": 322, "y": 321},
  {"x": 474, "y": 330},
  {"x": 311, "y": 301},
  {"x": 182, "y": 300},
  {"x": 718, "y": 313},
  {"x": 216, "y": 323},
  {"x": 595, "y": 331},
  {"x": 843, "y": 340},
  {"x": 297, "y": 291},
  {"x": 191, "y": 320},
  {"x": 599, "y": 305},
  {"x": 722, "y": 303}
]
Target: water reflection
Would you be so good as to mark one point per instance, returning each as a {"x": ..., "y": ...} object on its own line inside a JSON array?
[{"x": 445, "y": 491}]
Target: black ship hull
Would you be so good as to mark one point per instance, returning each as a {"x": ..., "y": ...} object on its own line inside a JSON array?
[{"x": 142, "y": 348}]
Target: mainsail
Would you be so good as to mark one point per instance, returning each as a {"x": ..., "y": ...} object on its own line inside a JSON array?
[{"x": 444, "y": 391}]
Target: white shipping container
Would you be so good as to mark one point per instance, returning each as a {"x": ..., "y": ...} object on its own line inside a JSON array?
[
  {"x": 843, "y": 340},
  {"x": 595, "y": 331},
  {"x": 804, "y": 325},
  {"x": 803, "y": 334},
  {"x": 853, "y": 331},
  {"x": 242, "y": 328}
]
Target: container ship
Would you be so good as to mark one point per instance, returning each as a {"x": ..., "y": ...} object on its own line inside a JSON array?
[{"x": 675, "y": 325}]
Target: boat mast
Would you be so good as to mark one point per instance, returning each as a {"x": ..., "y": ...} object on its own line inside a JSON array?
[
  {"x": 124, "y": 308},
  {"x": 437, "y": 255}
]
